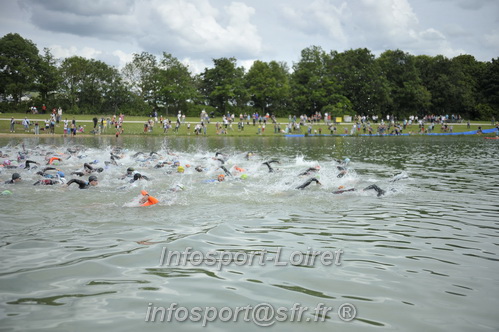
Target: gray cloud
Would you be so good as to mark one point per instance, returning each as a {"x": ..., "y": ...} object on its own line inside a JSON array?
[{"x": 196, "y": 31}]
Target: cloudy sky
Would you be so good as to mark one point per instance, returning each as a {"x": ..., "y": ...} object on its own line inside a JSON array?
[{"x": 197, "y": 31}]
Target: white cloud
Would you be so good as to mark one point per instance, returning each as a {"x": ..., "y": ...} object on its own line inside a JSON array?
[
  {"x": 123, "y": 57},
  {"x": 65, "y": 52},
  {"x": 201, "y": 30},
  {"x": 432, "y": 35},
  {"x": 195, "y": 26}
]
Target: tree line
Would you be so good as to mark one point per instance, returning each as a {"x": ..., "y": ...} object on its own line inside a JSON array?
[{"x": 353, "y": 82}]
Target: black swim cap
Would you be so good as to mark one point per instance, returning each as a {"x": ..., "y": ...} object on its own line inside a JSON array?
[
  {"x": 100, "y": 169},
  {"x": 92, "y": 178},
  {"x": 137, "y": 176},
  {"x": 16, "y": 176},
  {"x": 130, "y": 169}
]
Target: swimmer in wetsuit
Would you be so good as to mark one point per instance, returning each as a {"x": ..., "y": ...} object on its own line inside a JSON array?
[
  {"x": 57, "y": 179},
  {"x": 372, "y": 186},
  {"x": 310, "y": 170},
  {"x": 343, "y": 171},
  {"x": 308, "y": 182},
  {"x": 16, "y": 177},
  {"x": 87, "y": 169},
  {"x": 226, "y": 171},
  {"x": 53, "y": 159},
  {"x": 267, "y": 163},
  {"x": 138, "y": 176},
  {"x": 147, "y": 199},
  {"x": 92, "y": 181},
  {"x": 130, "y": 171},
  {"x": 27, "y": 164}
]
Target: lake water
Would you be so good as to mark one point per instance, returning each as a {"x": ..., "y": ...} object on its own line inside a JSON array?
[{"x": 422, "y": 257}]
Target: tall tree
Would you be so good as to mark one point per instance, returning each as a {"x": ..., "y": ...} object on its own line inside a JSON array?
[
  {"x": 177, "y": 87},
  {"x": 19, "y": 63},
  {"x": 361, "y": 80},
  {"x": 141, "y": 76},
  {"x": 490, "y": 86},
  {"x": 465, "y": 76},
  {"x": 48, "y": 75},
  {"x": 407, "y": 91},
  {"x": 268, "y": 86},
  {"x": 223, "y": 85},
  {"x": 87, "y": 83},
  {"x": 313, "y": 87}
]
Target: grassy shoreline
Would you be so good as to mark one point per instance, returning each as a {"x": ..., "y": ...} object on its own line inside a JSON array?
[{"x": 134, "y": 126}]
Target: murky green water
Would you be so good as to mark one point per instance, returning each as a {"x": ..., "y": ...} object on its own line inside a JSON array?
[{"x": 423, "y": 257}]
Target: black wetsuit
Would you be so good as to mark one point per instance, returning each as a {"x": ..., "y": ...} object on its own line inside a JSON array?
[
  {"x": 308, "y": 171},
  {"x": 342, "y": 170},
  {"x": 28, "y": 163},
  {"x": 43, "y": 172},
  {"x": 307, "y": 183},
  {"x": 376, "y": 188},
  {"x": 226, "y": 170},
  {"x": 267, "y": 163},
  {"x": 372, "y": 186},
  {"x": 138, "y": 176},
  {"x": 46, "y": 182},
  {"x": 82, "y": 184}
]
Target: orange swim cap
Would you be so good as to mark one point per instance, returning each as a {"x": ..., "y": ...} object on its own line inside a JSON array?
[{"x": 341, "y": 187}]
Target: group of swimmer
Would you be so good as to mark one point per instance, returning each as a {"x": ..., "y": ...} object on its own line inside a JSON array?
[{"x": 51, "y": 174}]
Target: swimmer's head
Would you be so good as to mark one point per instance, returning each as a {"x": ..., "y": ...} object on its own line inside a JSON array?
[
  {"x": 346, "y": 161},
  {"x": 16, "y": 177},
  {"x": 244, "y": 176},
  {"x": 176, "y": 163},
  {"x": 92, "y": 179},
  {"x": 6, "y": 192},
  {"x": 6, "y": 162},
  {"x": 199, "y": 168},
  {"x": 221, "y": 177},
  {"x": 341, "y": 187},
  {"x": 130, "y": 170},
  {"x": 180, "y": 169},
  {"x": 317, "y": 167},
  {"x": 144, "y": 193},
  {"x": 187, "y": 165},
  {"x": 137, "y": 176},
  {"x": 100, "y": 169},
  {"x": 61, "y": 174}
]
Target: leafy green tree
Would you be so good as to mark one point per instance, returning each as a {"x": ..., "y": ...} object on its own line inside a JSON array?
[
  {"x": 436, "y": 75},
  {"x": 465, "y": 76},
  {"x": 490, "y": 86},
  {"x": 223, "y": 85},
  {"x": 361, "y": 80},
  {"x": 177, "y": 87},
  {"x": 87, "y": 84},
  {"x": 141, "y": 75},
  {"x": 312, "y": 85},
  {"x": 408, "y": 94},
  {"x": 268, "y": 86},
  {"x": 48, "y": 76},
  {"x": 19, "y": 63}
]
